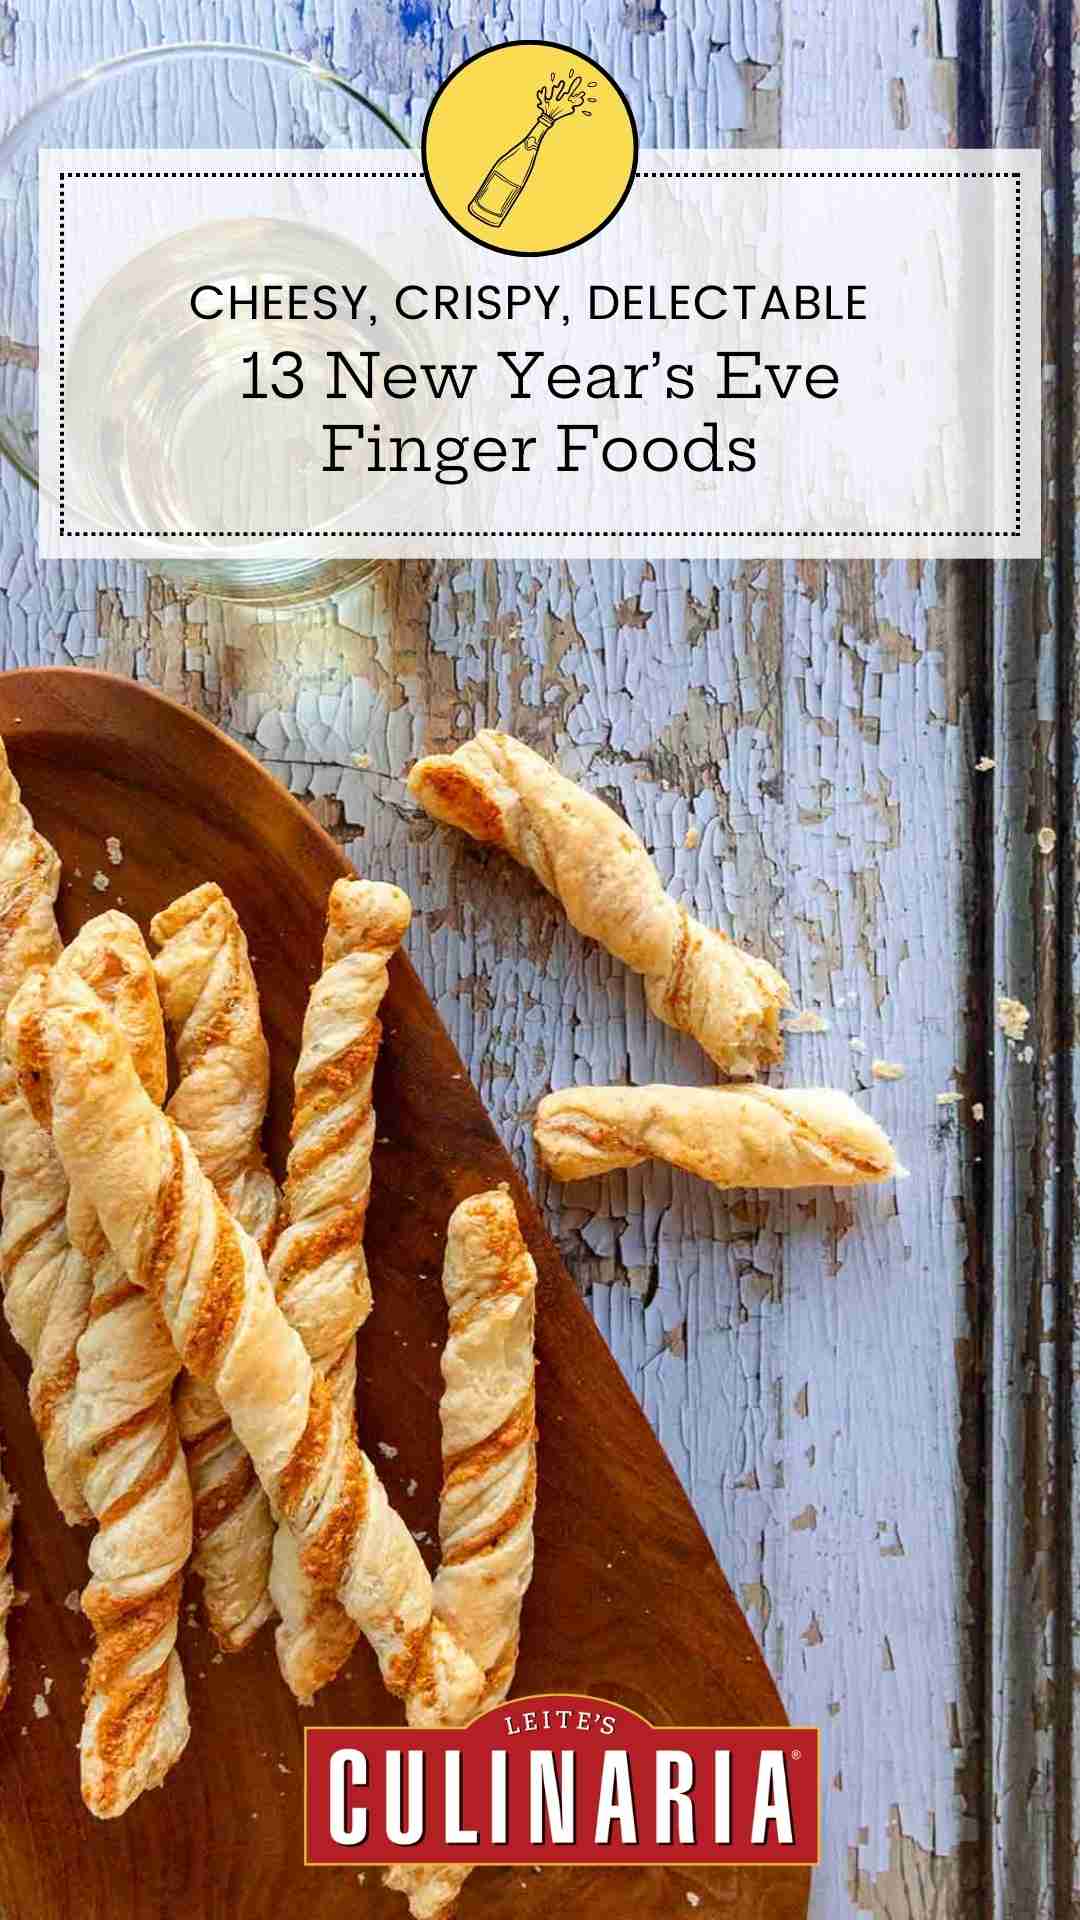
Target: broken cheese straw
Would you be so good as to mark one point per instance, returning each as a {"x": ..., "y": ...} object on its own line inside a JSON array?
[
  {"x": 172, "y": 1235},
  {"x": 732, "y": 1136},
  {"x": 696, "y": 979}
]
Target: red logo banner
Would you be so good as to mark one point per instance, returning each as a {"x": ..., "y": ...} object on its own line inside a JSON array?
[{"x": 561, "y": 1779}]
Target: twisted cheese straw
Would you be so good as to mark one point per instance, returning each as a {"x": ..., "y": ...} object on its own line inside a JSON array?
[
  {"x": 696, "y": 979},
  {"x": 174, "y": 1238},
  {"x": 122, "y": 1425},
  {"x": 211, "y": 1005},
  {"x": 7, "y": 1584},
  {"x": 488, "y": 1414},
  {"x": 45, "y": 1281},
  {"x": 733, "y": 1136},
  {"x": 317, "y": 1268}
]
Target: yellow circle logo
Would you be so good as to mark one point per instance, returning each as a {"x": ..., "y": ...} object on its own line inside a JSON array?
[{"x": 530, "y": 147}]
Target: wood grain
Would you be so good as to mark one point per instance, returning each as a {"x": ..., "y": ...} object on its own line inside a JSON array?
[
  {"x": 628, "y": 1602},
  {"x": 870, "y": 1415}
]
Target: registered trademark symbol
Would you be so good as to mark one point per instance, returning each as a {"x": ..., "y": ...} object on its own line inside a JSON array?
[{"x": 796, "y": 1753}]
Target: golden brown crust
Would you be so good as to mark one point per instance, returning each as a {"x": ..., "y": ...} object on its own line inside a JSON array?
[
  {"x": 731, "y": 1136},
  {"x": 217, "y": 1309},
  {"x": 121, "y": 1425},
  {"x": 211, "y": 1003},
  {"x": 318, "y": 1267},
  {"x": 498, "y": 791},
  {"x": 489, "y": 1473},
  {"x": 120, "y": 1152},
  {"x": 44, "y": 1279}
]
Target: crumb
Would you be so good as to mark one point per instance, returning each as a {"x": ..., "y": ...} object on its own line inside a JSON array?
[
  {"x": 418, "y": 1535},
  {"x": 693, "y": 839},
  {"x": 1047, "y": 839},
  {"x": 1012, "y": 1017},
  {"x": 858, "y": 1046},
  {"x": 693, "y": 1899},
  {"x": 217, "y": 1659},
  {"x": 410, "y": 1489},
  {"x": 1027, "y": 1055},
  {"x": 100, "y": 881},
  {"x": 887, "y": 1070},
  {"x": 984, "y": 765},
  {"x": 361, "y": 759},
  {"x": 114, "y": 850},
  {"x": 48, "y": 1685},
  {"x": 281, "y": 1767},
  {"x": 78, "y": 873},
  {"x": 949, "y": 1099},
  {"x": 388, "y": 1452},
  {"x": 808, "y": 1022},
  {"x": 977, "y": 1110},
  {"x": 361, "y": 1877},
  {"x": 73, "y": 1602},
  {"x": 41, "y": 1706}
]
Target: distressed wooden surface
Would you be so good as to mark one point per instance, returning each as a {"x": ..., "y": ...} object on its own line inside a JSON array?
[{"x": 865, "y": 1397}]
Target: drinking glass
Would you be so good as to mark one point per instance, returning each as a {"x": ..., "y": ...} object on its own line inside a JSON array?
[{"x": 192, "y": 95}]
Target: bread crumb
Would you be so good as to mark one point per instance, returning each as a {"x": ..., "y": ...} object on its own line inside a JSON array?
[
  {"x": 418, "y": 1535},
  {"x": 806, "y": 1022},
  {"x": 693, "y": 839},
  {"x": 858, "y": 1046},
  {"x": 388, "y": 1452},
  {"x": 984, "y": 765},
  {"x": 1047, "y": 839},
  {"x": 361, "y": 759},
  {"x": 100, "y": 881},
  {"x": 41, "y": 1706},
  {"x": 114, "y": 850},
  {"x": 887, "y": 1070},
  {"x": 410, "y": 1489},
  {"x": 977, "y": 1110},
  {"x": 48, "y": 1685},
  {"x": 949, "y": 1099},
  {"x": 693, "y": 1899},
  {"x": 1013, "y": 1017},
  {"x": 281, "y": 1767},
  {"x": 73, "y": 1601}
]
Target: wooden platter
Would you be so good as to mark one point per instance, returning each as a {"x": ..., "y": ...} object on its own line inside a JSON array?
[{"x": 627, "y": 1603}]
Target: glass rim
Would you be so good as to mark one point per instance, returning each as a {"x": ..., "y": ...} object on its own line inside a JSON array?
[{"x": 16, "y": 136}]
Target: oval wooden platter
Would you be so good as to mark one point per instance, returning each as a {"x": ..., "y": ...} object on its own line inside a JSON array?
[{"x": 627, "y": 1603}]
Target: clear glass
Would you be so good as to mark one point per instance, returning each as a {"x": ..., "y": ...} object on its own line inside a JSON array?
[{"x": 198, "y": 94}]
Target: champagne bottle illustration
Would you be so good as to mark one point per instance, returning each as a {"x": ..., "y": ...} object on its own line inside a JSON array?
[{"x": 505, "y": 182}]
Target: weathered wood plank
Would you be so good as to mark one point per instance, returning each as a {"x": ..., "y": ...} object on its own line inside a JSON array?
[
  {"x": 1028, "y": 1311},
  {"x": 813, "y": 1367}
]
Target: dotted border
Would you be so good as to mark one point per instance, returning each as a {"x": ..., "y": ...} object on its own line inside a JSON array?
[{"x": 549, "y": 533}]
